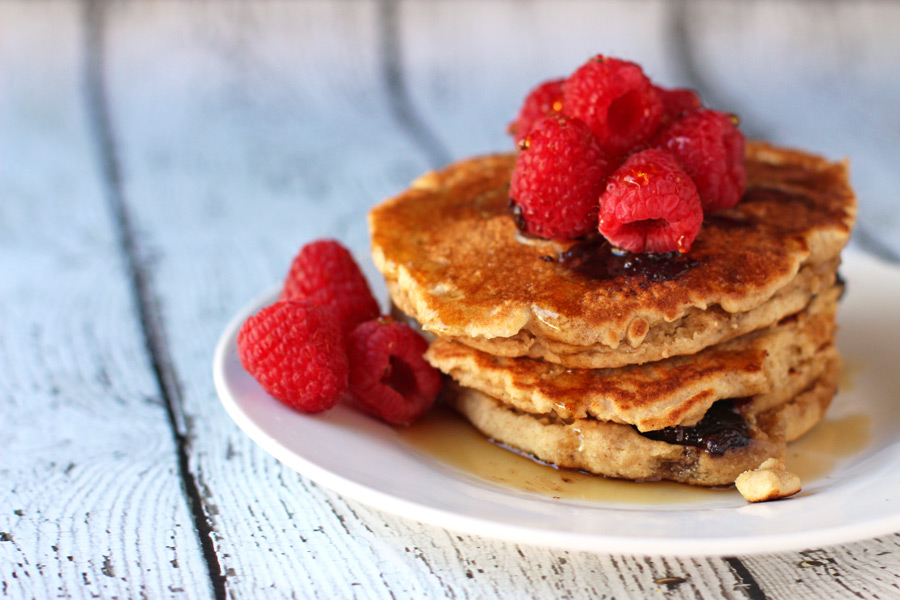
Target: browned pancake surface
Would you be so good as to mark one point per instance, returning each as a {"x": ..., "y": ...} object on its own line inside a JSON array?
[
  {"x": 617, "y": 450},
  {"x": 454, "y": 260},
  {"x": 774, "y": 364}
]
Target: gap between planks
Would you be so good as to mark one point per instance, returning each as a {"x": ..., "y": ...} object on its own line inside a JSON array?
[{"x": 95, "y": 14}]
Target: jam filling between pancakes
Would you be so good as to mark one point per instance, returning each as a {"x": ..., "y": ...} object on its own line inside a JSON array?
[
  {"x": 596, "y": 259},
  {"x": 722, "y": 428}
]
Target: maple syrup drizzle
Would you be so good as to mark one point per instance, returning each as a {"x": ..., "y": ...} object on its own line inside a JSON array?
[{"x": 444, "y": 436}]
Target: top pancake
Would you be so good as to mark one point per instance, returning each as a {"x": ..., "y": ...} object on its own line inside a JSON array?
[{"x": 455, "y": 261}]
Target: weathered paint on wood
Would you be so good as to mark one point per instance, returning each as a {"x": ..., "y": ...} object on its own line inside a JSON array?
[
  {"x": 90, "y": 500},
  {"x": 226, "y": 135},
  {"x": 821, "y": 79}
]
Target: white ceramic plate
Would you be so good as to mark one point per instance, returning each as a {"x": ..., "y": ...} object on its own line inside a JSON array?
[{"x": 858, "y": 497}]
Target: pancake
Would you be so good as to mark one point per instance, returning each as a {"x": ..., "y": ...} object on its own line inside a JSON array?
[
  {"x": 620, "y": 451},
  {"x": 700, "y": 329},
  {"x": 772, "y": 365},
  {"x": 455, "y": 262}
]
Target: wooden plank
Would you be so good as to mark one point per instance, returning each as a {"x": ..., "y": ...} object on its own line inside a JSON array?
[
  {"x": 246, "y": 130},
  {"x": 91, "y": 503},
  {"x": 816, "y": 75},
  {"x": 869, "y": 569},
  {"x": 469, "y": 67}
]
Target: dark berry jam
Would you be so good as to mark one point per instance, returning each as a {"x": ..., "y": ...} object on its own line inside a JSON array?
[
  {"x": 597, "y": 259},
  {"x": 721, "y": 429}
]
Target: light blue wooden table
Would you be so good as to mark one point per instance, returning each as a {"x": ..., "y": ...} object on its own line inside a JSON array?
[{"x": 161, "y": 162}]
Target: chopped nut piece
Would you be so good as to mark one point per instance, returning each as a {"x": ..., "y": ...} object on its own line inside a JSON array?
[
  {"x": 768, "y": 482},
  {"x": 772, "y": 464}
]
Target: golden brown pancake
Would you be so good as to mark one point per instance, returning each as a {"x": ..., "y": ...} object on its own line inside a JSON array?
[
  {"x": 454, "y": 260},
  {"x": 773, "y": 365},
  {"x": 691, "y": 368},
  {"x": 617, "y": 450}
]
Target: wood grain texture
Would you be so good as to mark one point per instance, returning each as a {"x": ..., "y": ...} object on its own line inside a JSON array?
[
  {"x": 820, "y": 80},
  {"x": 869, "y": 569},
  {"x": 241, "y": 131},
  {"x": 237, "y": 148},
  {"x": 90, "y": 502},
  {"x": 271, "y": 527},
  {"x": 502, "y": 49}
]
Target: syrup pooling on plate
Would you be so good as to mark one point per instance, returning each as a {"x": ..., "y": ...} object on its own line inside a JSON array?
[
  {"x": 444, "y": 436},
  {"x": 447, "y": 438},
  {"x": 813, "y": 457}
]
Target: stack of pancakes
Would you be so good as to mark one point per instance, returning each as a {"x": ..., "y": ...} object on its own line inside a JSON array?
[{"x": 689, "y": 368}]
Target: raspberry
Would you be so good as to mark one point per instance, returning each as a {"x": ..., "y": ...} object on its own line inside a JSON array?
[
  {"x": 325, "y": 273},
  {"x": 616, "y": 100},
  {"x": 558, "y": 179},
  {"x": 677, "y": 102},
  {"x": 295, "y": 351},
  {"x": 650, "y": 205},
  {"x": 544, "y": 100},
  {"x": 710, "y": 148},
  {"x": 389, "y": 377}
]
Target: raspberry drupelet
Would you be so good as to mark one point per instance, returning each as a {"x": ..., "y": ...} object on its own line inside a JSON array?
[
  {"x": 558, "y": 177},
  {"x": 543, "y": 101},
  {"x": 677, "y": 102},
  {"x": 650, "y": 205},
  {"x": 710, "y": 148},
  {"x": 616, "y": 100},
  {"x": 389, "y": 377},
  {"x": 295, "y": 350}
]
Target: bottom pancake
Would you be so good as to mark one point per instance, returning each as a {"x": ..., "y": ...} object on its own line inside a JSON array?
[{"x": 712, "y": 453}]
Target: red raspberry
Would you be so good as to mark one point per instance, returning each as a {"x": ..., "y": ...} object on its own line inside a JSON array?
[
  {"x": 389, "y": 377},
  {"x": 650, "y": 205},
  {"x": 295, "y": 351},
  {"x": 558, "y": 179},
  {"x": 677, "y": 102},
  {"x": 543, "y": 101},
  {"x": 710, "y": 148},
  {"x": 325, "y": 273},
  {"x": 616, "y": 100}
]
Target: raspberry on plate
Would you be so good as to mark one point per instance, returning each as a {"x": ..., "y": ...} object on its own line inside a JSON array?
[
  {"x": 558, "y": 178},
  {"x": 295, "y": 350},
  {"x": 650, "y": 205},
  {"x": 325, "y": 273},
  {"x": 543, "y": 101},
  {"x": 616, "y": 100},
  {"x": 710, "y": 148},
  {"x": 389, "y": 377}
]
